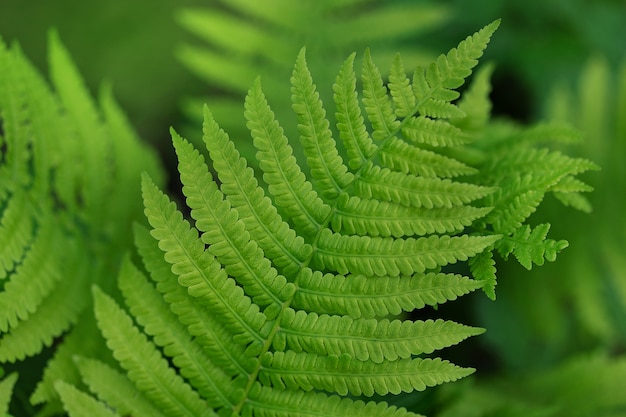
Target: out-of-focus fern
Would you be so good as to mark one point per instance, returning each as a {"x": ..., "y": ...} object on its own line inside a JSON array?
[
  {"x": 243, "y": 39},
  {"x": 520, "y": 161},
  {"x": 289, "y": 298},
  {"x": 585, "y": 386},
  {"x": 68, "y": 183},
  {"x": 582, "y": 304}
]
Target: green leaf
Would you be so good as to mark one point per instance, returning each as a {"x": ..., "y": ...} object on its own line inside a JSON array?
[
  {"x": 6, "y": 390},
  {"x": 115, "y": 389},
  {"x": 373, "y": 256},
  {"x": 346, "y": 376},
  {"x": 143, "y": 362},
  {"x": 327, "y": 168},
  {"x": 531, "y": 246},
  {"x": 360, "y": 296},
  {"x": 79, "y": 404}
]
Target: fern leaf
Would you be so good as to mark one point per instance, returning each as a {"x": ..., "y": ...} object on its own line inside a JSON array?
[
  {"x": 400, "y": 89},
  {"x": 286, "y": 182},
  {"x": 380, "y": 218},
  {"x": 203, "y": 326},
  {"x": 575, "y": 200},
  {"x": 475, "y": 102},
  {"x": 84, "y": 337},
  {"x": 359, "y": 296},
  {"x": 515, "y": 212},
  {"x": 386, "y": 256},
  {"x": 350, "y": 123},
  {"x": 241, "y": 188},
  {"x": 228, "y": 239},
  {"x": 81, "y": 110},
  {"x": 449, "y": 71},
  {"x": 153, "y": 313},
  {"x": 531, "y": 246},
  {"x": 401, "y": 156},
  {"x": 115, "y": 389},
  {"x": 15, "y": 138},
  {"x": 79, "y": 404},
  {"x": 53, "y": 316},
  {"x": 345, "y": 376},
  {"x": 145, "y": 366},
  {"x": 33, "y": 279},
  {"x": 388, "y": 21},
  {"x": 433, "y": 132},
  {"x": 484, "y": 270},
  {"x": 197, "y": 269},
  {"x": 271, "y": 402},
  {"x": 332, "y": 335},
  {"x": 377, "y": 104},
  {"x": 322, "y": 156},
  {"x": 384, "y": 184},
  {"x": 6, "y": 389}
]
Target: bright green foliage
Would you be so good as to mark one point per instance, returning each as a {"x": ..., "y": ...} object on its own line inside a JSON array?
[
  {"x": 68, "y": 177},
  {"x": 6, "y": 389},
  {"x": 78, "y": 404},
  {"x": 285, "y": 293}
]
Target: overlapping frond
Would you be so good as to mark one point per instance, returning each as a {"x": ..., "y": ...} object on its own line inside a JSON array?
[
  {"x": 242, "y": 39},
  {"x": 285, "y": 292},
  {"x": 60, "y": 228},
  {"x": 525, "y": 174}
]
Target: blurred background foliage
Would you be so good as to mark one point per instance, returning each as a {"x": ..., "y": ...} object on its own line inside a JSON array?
[{"x": 562, "y": 59}]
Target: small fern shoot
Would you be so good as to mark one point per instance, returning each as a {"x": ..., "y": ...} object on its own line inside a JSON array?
[{"x": 287, "y": 296}]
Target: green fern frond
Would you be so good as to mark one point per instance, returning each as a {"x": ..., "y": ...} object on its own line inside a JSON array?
[
  {"x": 226, "y": 236},
  {"x": 431, "y": 132},
  {"x": 282, "y": 298},
  {"x": 154, "y": 315},
  {"x": 270, "y": 402},
  {"x": 439, "y": 80},
  {"x": 475, "y": 103}
]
